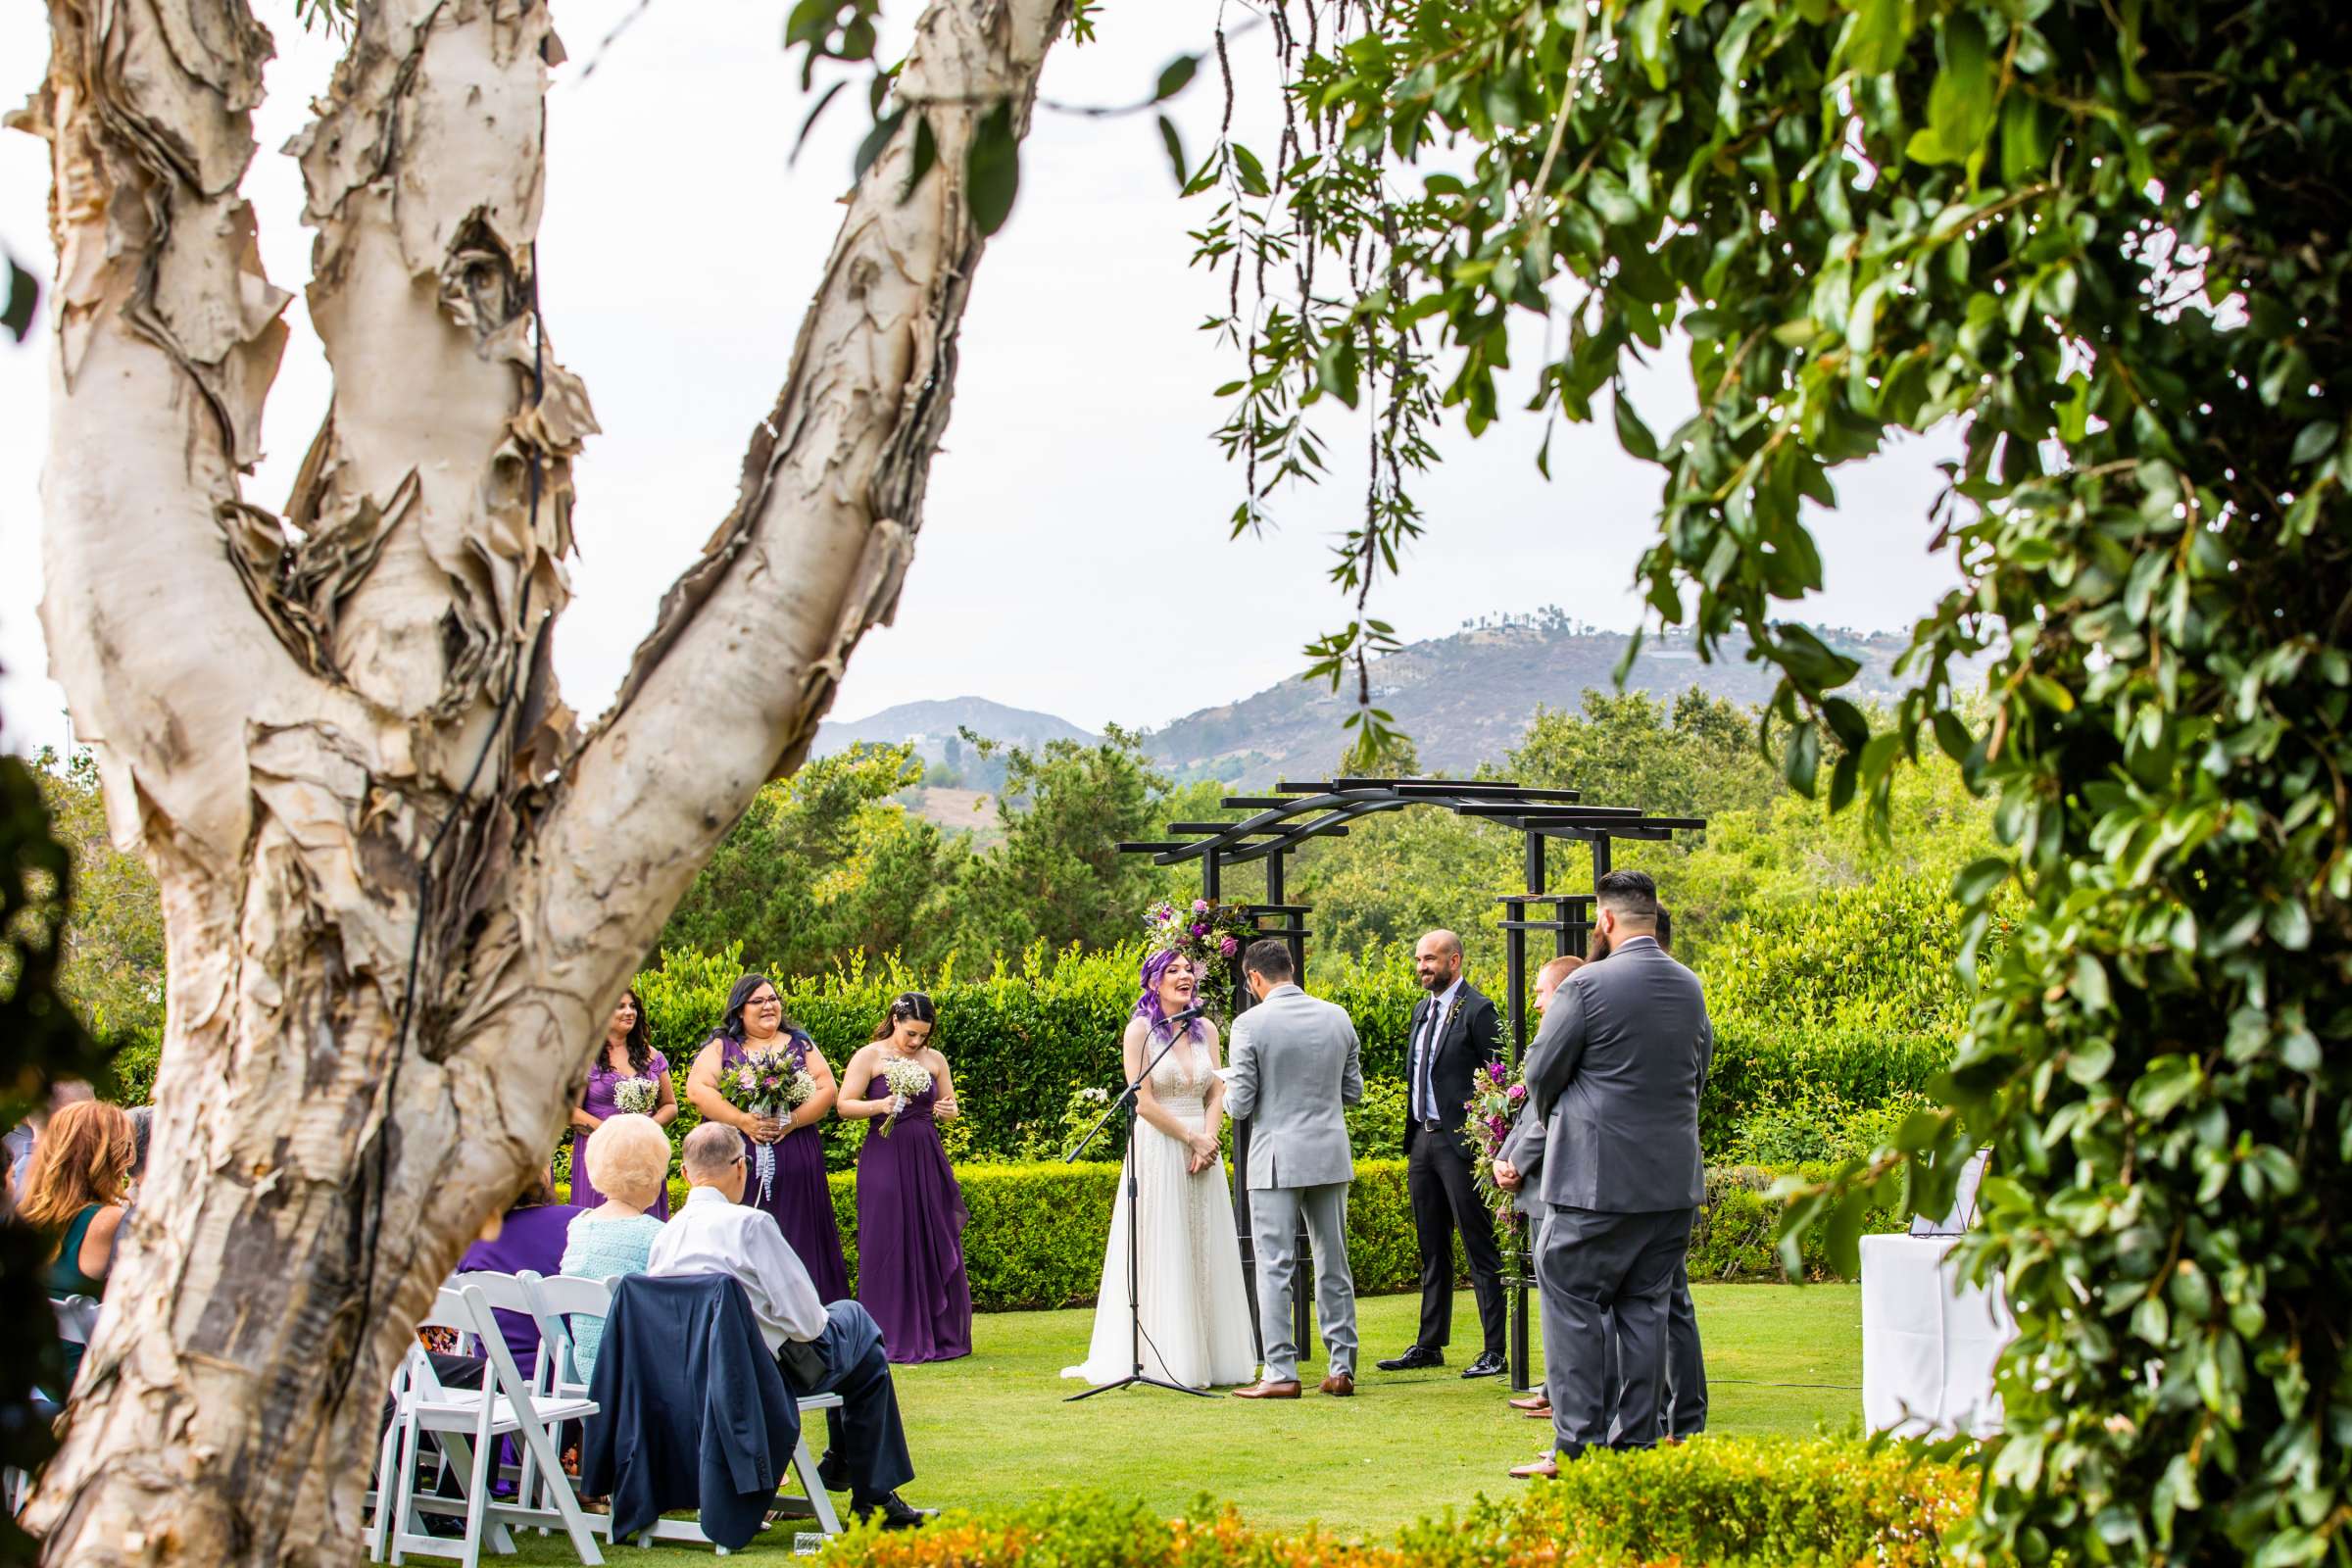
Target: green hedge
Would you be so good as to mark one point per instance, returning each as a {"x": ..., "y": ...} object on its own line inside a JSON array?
[
  {"x": 1037, "y": 1232},
  {"x": 1023, "y": 1037},
  {"x": 1754, "y": 1502}
]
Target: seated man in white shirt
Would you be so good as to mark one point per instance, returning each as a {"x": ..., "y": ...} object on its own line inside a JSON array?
[{"x": 821, "y": 1350}]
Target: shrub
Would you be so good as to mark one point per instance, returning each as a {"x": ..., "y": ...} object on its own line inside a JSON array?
[
  {"x": 1376, "y": 1127},
  {"x": 1736, "y": 1235},
  {"x": 1037, "y": 1232},
  {"x": 1755, "y": 1502},
  {"x": 1759, "y": 1065},
  {"x": 1800, "y": 1124}
]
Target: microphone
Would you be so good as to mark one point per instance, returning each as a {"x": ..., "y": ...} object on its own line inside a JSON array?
[{"x": 1196, "y": 1010}]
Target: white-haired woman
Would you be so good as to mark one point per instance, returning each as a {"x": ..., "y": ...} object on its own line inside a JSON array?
[{"x": 628, "y": 1160}]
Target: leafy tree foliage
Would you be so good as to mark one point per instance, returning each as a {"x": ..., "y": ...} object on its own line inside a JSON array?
[
  {"x": 40, "y": 1043},
  {"x": 113, "y": 975},
  {"x": 824, "y": 863},
  {"x": 1058, "y": 875},
  {"x": 2108, "y": 238}
]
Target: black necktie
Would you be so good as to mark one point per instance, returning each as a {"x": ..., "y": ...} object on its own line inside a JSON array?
[{"x": 1428, "y": 1050}]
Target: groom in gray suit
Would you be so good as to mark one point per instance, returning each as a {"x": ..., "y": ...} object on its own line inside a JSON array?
[
  {"x": 1616, "y": 1072},
  {"x": 1295, "y": 1067}
]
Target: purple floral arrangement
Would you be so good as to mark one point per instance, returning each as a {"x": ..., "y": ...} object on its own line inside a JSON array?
[
  {"x": 1210, "y": 935},
  {"x": 1494, "y": 1105}
]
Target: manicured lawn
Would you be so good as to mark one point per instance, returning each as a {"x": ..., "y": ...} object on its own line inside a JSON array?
[{"x": 992, "y": 1429}]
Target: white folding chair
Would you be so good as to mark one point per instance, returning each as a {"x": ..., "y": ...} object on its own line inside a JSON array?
[
  {"x": 554, "y": 1301},
  {"x": 470, "y": 1421},
  {"x": 565, "y": 1294},
  {"x": 508, "y": 1293},
  {"x": 77, "y": 1324},
  {"x": 399, "y": 1451}
]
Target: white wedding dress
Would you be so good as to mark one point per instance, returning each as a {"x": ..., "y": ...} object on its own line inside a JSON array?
[{"x": 1188, "y": 1260}]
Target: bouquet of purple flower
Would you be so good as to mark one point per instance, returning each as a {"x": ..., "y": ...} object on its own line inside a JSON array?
[
  {"x": 1495, "y": 1103},
  {"x": 1210, "y": 935},
  {"x": 770, "y": 1082}
]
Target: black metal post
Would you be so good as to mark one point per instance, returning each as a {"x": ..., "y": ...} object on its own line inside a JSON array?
[
  {"x": 1240, "y": 1001},
  {"x": 1521, "y": 1361}
]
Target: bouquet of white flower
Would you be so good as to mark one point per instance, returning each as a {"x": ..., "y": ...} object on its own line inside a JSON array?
[
  {"x": 907, "y": 1080},
  {"x": 635, "y": 1097}
]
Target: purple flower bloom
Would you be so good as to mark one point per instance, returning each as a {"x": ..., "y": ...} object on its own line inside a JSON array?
[
  {"x": 1200, "y": 930},
  {"x": 1200, "y": 907},
  {"x": 1518, "y": 1092},
  {"x": 1229, "y": 947}
]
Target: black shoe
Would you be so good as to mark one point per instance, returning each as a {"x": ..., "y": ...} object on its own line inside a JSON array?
[
  {"x": 893, "y": 1513},
  {"x": 1488, "y": 1365},
  {"x": 1413, "y": 1360},
  {"x": 833, "y": 1472}
]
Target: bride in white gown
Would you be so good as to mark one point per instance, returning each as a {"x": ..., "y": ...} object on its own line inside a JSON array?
[{"x": 1188, "y": 1258}]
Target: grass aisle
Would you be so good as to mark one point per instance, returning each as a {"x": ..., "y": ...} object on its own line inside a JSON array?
[{"x": 992, "y": 1429}]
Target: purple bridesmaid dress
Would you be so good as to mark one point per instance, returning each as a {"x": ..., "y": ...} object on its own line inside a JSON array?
[
  {"x": 797, "y": 1194},
  {"x": 910, "y": 1219},
  {"x": 597, "y": 1102}
]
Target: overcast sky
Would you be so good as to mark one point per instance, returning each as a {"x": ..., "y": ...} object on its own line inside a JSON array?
[{"x": 1074, "y": 554}]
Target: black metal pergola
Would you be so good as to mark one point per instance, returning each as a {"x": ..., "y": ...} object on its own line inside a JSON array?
[{"x": 1281, "y": 823}]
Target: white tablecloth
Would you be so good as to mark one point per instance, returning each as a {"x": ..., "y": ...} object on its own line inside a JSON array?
[{"x": 1928, "y": 1340}]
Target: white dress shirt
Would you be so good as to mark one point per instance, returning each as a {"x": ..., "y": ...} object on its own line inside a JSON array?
[
  {"x": 1432, "y": 1025},
  {"x": 710, "y": 1235}
]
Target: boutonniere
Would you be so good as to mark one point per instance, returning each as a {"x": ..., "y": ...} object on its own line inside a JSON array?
[{"x": 1453, "y": 1013}]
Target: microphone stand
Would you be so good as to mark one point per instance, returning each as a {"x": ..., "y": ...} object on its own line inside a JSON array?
[{"x": 1134, "y": 1310}]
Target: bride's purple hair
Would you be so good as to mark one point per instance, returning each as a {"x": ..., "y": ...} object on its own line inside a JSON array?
[{"x": 1147, "y": 1005}]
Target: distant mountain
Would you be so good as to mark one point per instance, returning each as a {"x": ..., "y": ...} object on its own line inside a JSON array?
[
  {"x": 1468, "y": 698},
  {"x": 930, "y": 725}
]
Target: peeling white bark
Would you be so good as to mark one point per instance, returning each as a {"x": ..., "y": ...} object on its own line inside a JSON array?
[{"x": 400, "y": 895}]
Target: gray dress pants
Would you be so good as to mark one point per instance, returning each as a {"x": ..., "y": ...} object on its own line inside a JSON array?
[
  {"x": 1275, "y": 1213},
  {"x": 1593, "y": 1267}
]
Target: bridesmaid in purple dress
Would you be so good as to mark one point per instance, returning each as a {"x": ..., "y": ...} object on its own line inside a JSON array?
[
  {"x": 628, "y": 1053},
  {"x": 910, "y": 1213},
  {"x": 795, "y": 1191}
]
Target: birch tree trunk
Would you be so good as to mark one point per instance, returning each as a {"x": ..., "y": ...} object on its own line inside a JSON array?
[{"x": 401, "y": 895}]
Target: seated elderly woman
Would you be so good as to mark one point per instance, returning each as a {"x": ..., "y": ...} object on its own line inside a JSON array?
[{"x": 628, "y": 1160}]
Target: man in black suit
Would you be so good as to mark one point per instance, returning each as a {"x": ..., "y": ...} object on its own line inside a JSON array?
[{"x": 1454, "y": 1034}]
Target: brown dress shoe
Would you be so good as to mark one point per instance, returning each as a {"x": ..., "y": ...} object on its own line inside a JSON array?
[
  {"x": 1268, "y": 1390},
  {"x": 1340, "y": 1384},
  {"x": 1546, "y": 1469},
  {"x": 1542, "y": 1412},
  {"x": 1537, "y": 1401}
]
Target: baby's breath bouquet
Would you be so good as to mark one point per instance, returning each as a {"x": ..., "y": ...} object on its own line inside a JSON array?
[
  {"x": 635, "y": 1097},
  {"x": 908, "y": 1081}
]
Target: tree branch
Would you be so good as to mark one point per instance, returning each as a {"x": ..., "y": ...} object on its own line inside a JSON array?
[{"x": 751, "y": 642}]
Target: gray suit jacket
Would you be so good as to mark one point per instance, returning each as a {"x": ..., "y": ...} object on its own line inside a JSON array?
[
  {"x": 1616, "y": 1073},
  {"x": 1523, "y": 1147},
  {"x": 1295, "y": 1065}
]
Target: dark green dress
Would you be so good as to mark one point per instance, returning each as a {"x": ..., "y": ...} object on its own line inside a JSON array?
[{"x": 66, "y": 1278}]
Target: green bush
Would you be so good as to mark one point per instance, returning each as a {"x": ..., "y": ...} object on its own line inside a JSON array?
[
  {"x": 1037, "y": 1233},
  {"x": 1736, "y": 1235},
  {"x": 1801, "y": 1124},
  {"x": 1026, "y": 1042},
  {"x": 1855, "y": 1067},
  {"x": 1751, "y": 1502}
]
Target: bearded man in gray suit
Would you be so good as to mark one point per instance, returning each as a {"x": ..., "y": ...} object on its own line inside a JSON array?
[
  {"x": 1295, "y": 1068},
  {"x": 1616, "y": 1072}
]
